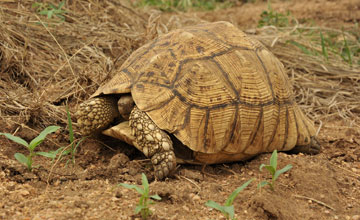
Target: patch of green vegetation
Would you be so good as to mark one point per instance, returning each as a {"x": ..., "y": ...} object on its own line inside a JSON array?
[
  {"x": 183, "y": 5},
  {"x": 50, "y": 10},
  {"x": 329, "y": 43},
  {"x": 271, "y": 17},
  {"x": 316, "y": 41},
  {"x": 28, "y": 160},
  {"x": 272, "y": 168},
  {"x": 145, "y": 199},
  {"x": 228, "y": 208}
]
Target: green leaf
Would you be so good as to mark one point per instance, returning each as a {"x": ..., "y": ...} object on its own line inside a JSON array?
[
  {"x": 283, "y": 170},
  {"x": 52, "y": 6},
  {"x": 78, "y": 143},
  {"x": 50, "y": 14},
  {"x": 36, "y": 141},
  {"x": 71, "y": 132},
  {"x": 61, "y": 4},
  {"x": 215, "y": 205},
  {"x": 137, "y": 188},
  {"x": 323, "y": 47},
  {"x": 138, "y": 208},
  {"x": 43, "y": 12},
  {"x": 145, "y": 183},
  {"x": 273, "y": 160},
  {"x": 229, "y": 210},
  {"x": 51, "y": 155},
  {"x": 301, "y": 47},
  {"x": 16, "y": 139},
  {"x": 21, "y": 158},
  {"x": 269, "y": 168},
  {"x": 263, "y": 183},
  {"x": 233, "y": 195},
  {"x": 155, "y": 197}
]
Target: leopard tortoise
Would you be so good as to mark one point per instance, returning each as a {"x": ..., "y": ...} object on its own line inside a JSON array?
[{"x": 219, "y": 94}]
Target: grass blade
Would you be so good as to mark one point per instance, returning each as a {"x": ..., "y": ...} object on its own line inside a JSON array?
[
  {"x": 283, "y": 170},
  {"x": 263, "y": 183},
  {"x": 273, "y": 160},
  {"x": 51, "y": 155},
  {"x": 268, "y": 167},
  {"x": 347, "y": 50},
  {"x": 215, "y": 205},
  {"x": 36, "y": 141},
  {"x": 233, "y": 195},
  {"x": 301, "y": 47},
  {"x": 157, "y": 197},
  {"x": 138, "y": 208},
  {"x": 71, "y": 131},
  {"x": 16, "y": 139},
  {"x": 137, "y": 188},
  {"x": 145, "y": 183},
  {"x": 323, "y": 47}
]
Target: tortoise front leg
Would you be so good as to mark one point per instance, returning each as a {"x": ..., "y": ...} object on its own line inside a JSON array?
[
  {"x": 96, "y": 114},
  {"x": 154, "y": 142}
]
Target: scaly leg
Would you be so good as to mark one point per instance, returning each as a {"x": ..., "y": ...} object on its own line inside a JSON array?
[
  {"x": 96, "y": 114},
  {"x": 154, "y": 142}
]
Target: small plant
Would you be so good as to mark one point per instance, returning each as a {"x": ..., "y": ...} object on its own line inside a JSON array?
[
  {"x": 50, "y": 10},
  {"x": 145, "y": 199},
  {"x": 73, "y": 144},
  {"x": 28, "y": 160},
  {"x": 228, "y": 209},
  {"x": 272, "y": 169}
]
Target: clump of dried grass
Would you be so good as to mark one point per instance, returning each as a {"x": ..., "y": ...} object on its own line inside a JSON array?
[
  {"x": 43, "y": 67},
  {"x": 326, "y": 90}
]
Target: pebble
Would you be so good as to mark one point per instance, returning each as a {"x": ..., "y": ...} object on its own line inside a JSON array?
[
  {"x": 23, "y": 192},
  {"x": 356, "y": 217},
  {"x": 186, "y": 208}
]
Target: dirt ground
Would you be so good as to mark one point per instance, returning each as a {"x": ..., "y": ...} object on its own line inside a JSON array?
[{"x": 323, "y": 186}]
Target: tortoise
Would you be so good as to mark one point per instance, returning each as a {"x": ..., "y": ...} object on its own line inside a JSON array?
[{"x": 220, "y": 95}]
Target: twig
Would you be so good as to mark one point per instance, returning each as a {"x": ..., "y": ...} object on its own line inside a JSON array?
[
  {"x": 314, "y": 200},
  {"x": 189, "y": 180}
]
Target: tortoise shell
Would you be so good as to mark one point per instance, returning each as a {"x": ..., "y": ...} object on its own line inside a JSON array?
[{"x": 218, "y": 91}]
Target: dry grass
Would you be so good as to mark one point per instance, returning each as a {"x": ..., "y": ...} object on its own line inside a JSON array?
[
  {"x": 326, "y": 90},
  {"x": 45, "y": 65}
]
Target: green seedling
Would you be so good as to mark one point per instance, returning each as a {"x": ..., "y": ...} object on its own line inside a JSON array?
[
  {"x": 145, "y": 199},
  {"x": 73, "y": 144},
  {"x": 28, "y": 160},
  {"x": 273, "y": 18},
  {"x": 272, "y": 169},
  {"x": 346, "y": 51},
  {"x": 50, "y": 10},
  {"x": 323, "y": 47},
  {"x": 228, "y": 209},
  {"x": 71, "y": 148}
]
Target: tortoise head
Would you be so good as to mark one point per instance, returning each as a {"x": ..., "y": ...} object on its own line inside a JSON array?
[{"x": 125, "y": 105}]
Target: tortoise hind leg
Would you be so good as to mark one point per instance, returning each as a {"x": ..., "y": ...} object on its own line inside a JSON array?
[
  {"x": 153, "y": 142},
  {"x": 96, "y": 114},
  {"x": 312, "y": 148}
]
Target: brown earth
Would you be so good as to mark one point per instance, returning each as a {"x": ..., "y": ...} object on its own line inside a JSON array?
[{"x": 324, "y": 186}]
